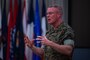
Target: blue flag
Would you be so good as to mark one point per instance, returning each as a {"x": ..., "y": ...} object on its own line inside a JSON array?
[{"x": 37, "y": 29}]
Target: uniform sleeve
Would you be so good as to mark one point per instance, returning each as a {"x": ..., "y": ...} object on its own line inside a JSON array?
[{"x": 69, "y": 42}]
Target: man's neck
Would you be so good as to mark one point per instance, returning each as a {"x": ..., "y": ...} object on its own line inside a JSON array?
[{"x": 55, "y": 25}]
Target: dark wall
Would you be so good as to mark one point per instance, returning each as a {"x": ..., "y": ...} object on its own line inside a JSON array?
[
  {"x": 79, "y": 19},
  {"x": 81, "y": 54}
]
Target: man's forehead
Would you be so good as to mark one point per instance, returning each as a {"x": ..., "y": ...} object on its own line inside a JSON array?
[{"x": 52, "y": 9}]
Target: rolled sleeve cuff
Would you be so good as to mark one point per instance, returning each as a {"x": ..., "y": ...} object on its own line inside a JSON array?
[{"x": 69, "y": 42}]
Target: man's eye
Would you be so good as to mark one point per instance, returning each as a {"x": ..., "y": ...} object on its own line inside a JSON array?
[{"x": 50, "y": 13}]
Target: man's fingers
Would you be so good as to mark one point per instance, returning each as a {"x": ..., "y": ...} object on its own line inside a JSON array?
[{"x": 39, "y": 37}]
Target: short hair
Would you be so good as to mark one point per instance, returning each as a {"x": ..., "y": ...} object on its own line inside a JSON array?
[{"x": 58, "y": 7}]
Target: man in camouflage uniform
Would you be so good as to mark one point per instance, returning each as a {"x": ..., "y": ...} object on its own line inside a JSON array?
[
  {"x": 58, "y": 41},
  {"x": 62, "y": 36}
]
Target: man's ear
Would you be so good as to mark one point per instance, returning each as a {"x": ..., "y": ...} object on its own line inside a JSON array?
[{"x": 59, "y": 15}]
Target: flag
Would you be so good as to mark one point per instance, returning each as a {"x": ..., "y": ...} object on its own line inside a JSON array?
[
  {"x": 13, "y": 29},
  {"x": 30, "y": 20},
  {"x": 11, "y": 35},
  {"x": 15, "y": 12},
  {"x": 43, "y": 21},
  {"x": 0, "y": 16},
  {"x": 27, "y": 49},
  {"x": 1, "y": 44},
  {"x": 4, "y": 30},
  {"x": 29, "y": 29},
  {"x": 24, "y": 18},
  {"x": 37, "y": 29},
  {"x": 19, "y": 52}
]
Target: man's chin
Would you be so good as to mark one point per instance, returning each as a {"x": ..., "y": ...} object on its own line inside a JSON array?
[{"x": 49, "y": 23}]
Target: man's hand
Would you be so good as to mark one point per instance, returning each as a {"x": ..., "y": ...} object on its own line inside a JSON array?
[
  {"x": 44, "y": 40},
  {"x": 28, "y": 42}
]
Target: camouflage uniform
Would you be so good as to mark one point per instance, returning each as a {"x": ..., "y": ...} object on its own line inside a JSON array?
[{"x": 58, "y": 36}]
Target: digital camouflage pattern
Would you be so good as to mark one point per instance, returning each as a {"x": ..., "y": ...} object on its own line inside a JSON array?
[{"x": 58, "y": 36}]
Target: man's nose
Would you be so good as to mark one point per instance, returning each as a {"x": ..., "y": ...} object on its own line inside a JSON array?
[{"x": 48, "y": 15}]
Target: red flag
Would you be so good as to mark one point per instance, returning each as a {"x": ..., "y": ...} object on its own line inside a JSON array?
[
  {"x": 15, "y": 11},
  {"x": 11, "y": 30},
  {"x": 10, "y": 17}
]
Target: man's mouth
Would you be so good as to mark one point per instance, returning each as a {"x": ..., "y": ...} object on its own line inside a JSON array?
[{"x": 49, "y": 19}]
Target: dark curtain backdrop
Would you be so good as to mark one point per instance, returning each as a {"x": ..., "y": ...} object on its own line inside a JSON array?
[{"x": 79, "y": 19}]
